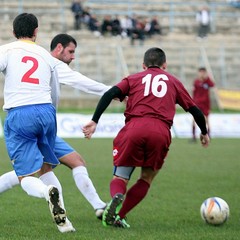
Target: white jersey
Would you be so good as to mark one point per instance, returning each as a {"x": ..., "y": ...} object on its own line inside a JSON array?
[
  {"x": 77, "y": 80},
  {"x": 30, "y": 77}
]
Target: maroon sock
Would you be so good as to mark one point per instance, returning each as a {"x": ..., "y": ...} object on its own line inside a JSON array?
[
  {"x": 117, "y": 186},
  {"x": 134, "y": 195}
]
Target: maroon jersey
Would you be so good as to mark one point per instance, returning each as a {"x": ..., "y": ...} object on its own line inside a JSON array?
[
  {"x": 201, "y": 94},
  {"x": 145, "y": 139},
  {"x": 154, "y": 93}
]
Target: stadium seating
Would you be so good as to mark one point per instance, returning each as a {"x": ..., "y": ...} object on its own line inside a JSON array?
[{"x": 108, "y": 59}]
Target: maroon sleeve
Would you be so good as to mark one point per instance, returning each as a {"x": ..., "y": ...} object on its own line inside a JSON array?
[
  {"x": 210, "y": 82},
  {"x": 124, "y": 86}
]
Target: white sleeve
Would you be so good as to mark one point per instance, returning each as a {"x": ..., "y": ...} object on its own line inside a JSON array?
[
  {"x": 55, "y": 90},
  {"x": 77, "y": 80},
  {"x": 3, "y": 61}
]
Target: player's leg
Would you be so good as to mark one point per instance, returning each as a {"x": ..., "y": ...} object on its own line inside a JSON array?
[
  {"x": 49, "y": 178},
  {"x": 194, "y": 139},
  {"x": 148, "y": 149},
  {"x": 138, "y": 191},
  {"x": 207, "y": 123},
  {"x": 8, "y": 180},
  {"x": 46, "y": 143},
  {"x": 33, "y": 186},
  {"x": 118, "y": 188},
  {"x": 125, "y": 149},
  {"x": 121, "y": 177},
  {"x": 69, "y": 157},
  {"x": 117, "y": 209}
]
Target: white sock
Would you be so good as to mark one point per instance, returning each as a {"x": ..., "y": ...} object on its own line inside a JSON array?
[
  {"x": 50, "y": 178},
  {"x": 34, "y": 187},
  {"x": 85, "y": 186},
  {"x": 8, "y": 180}
]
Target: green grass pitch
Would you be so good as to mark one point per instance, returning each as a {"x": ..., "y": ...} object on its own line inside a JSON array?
[{"x": 170, "y": 211}]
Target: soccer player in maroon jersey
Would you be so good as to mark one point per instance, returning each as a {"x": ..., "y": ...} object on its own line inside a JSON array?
[
  {"x": 145, "y": 139},
  {"x": 201, "y": 96}
]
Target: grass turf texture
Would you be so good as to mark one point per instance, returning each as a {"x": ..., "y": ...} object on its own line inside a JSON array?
[{"x": 170, "y": 211}]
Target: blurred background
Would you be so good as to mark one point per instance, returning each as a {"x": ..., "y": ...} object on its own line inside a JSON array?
[{"x": 113, "y": 35}]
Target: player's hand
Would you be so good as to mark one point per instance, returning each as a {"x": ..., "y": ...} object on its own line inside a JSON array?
[
  {"x": 205, "y": 140},
  {"x": 125, "y": 100},
  {"x": 89, "y": 129}
]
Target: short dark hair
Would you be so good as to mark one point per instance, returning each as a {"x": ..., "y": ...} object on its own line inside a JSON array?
[
  {"x": 62, "y": 38},
  {"x": 202, "y": 69},
  {"x": 154, "y": 57},
  {"x": 24, "y": 25}
]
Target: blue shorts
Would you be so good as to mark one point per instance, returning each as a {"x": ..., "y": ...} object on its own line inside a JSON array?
[
  {"x": 62, "y": 148},
  {"x": 30, "y": 133}
]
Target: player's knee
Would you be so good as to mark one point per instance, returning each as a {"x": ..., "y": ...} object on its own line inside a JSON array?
[
  {"x": 73, "y": 160},
  {"x": 148, "y": 175}
]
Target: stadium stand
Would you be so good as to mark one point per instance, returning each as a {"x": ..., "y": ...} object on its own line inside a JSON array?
[{"x": 108, "y": 59}]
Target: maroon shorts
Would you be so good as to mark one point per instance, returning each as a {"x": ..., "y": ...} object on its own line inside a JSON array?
[{"x": 142, "y": 142}]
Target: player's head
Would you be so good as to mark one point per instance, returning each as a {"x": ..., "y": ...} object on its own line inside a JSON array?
[
  {"x": 154, "y": 57},
  {"x": 25, "y": 25},
  {"x": 202, "y": 73},
  {"x": 63, "y": 47}
]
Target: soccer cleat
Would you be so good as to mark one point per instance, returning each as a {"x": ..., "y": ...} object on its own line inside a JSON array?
[
  {"x": 66, "y": 227},
  {"x": 121, "y": 223},
  {"x": 99, "y": 212},
  {"x": 112, "y": 210},
  {"x": 58, "y": 213}
]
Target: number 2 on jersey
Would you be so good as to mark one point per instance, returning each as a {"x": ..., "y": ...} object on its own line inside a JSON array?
[
  {"x": 27, "y": 76},
  {"x": 154, "y": 84}
]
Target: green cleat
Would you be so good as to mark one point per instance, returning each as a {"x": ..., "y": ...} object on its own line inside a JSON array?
[
  {"x": 112, "y": 210},
  {"x": 121, "y": 223}
]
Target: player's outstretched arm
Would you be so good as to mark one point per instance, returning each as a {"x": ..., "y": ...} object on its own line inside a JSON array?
[
  {"x": 79, "y": 81},
  {"x": 103, "y": 103}
]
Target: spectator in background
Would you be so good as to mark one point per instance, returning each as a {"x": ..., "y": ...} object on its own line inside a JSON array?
[
  {"x": 86, "y": 15},
  {"x": 203, "y": 19},
  {"x": 138, "y": 31},
  {"x": 155, "y": 27},
  {"x": 126, "y": 26},
  {"x": 77, "y": 11},
  {"x": 106, "y": 26},
  {"x": 116, "y": 27},
  {"x": 201, "y": 96},
  {"x": 94, "y": 25}
]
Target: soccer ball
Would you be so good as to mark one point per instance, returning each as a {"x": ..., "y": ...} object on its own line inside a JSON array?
[{"x": 214, "y": 211}]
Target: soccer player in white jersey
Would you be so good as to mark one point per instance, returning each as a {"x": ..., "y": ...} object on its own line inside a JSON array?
[
  {"x": 30, "y": 93},
  {"x": 63, "y": 50}
]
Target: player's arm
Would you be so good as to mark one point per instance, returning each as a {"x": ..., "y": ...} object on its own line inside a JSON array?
[
  {"x": 77, "y": 80},
  {"x": 103, "y": 103},
  {"x": 201, "y": 122},
  {"x": 199, "y": 118},
  {"x": 105, "y": 100},
  {"x": 210, "y": 83}
]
